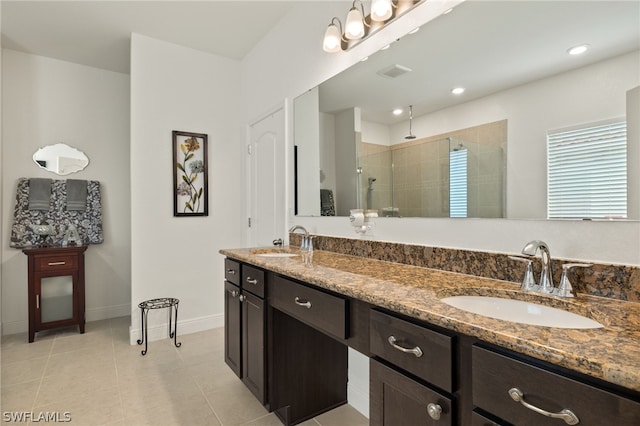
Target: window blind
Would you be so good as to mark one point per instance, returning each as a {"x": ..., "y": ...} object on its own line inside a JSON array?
[
  {"x": 458, "y": 183},
  {"x": 587, "y": 172}
]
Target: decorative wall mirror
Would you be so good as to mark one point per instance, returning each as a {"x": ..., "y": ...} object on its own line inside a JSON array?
[
  {"x": 514, "y": 73},
  {"x": 60, "y": 159}
]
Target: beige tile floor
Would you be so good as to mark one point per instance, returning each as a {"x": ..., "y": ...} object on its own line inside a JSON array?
[{"x": 100, "y": 379}]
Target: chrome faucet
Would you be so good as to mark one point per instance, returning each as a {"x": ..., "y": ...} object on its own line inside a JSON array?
[
  {"x": 306, "y": 246},
  {"x": 546, "y": 279},
  {"x": 300, "y": 228}
]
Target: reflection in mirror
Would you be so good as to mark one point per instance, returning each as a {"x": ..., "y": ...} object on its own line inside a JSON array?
[
  {"x": 513, "y": 75},
  {"x": 60, "y": 159}
]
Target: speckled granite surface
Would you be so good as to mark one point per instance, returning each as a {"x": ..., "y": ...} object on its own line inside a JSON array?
[
  {"x": 606, "y": 280},
  {"x": 611, "y": 353}
]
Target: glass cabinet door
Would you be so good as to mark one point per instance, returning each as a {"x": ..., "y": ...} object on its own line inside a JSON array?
[{"x": 56, "y": 298}]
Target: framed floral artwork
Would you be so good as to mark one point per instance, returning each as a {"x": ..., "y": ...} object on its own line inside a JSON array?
[{"x": 190, "y": 179}]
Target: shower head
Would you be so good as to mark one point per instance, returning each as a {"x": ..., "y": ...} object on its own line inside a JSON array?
[
  {"x": 410, "y": 135},
  {"x": 372, "y": 179}
]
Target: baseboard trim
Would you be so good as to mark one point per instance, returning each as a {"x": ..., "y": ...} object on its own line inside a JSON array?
[
  {"x": 187, "y": 326},
  {"x": 358, "y": 398},
  {"x": 97, "y": 314}
]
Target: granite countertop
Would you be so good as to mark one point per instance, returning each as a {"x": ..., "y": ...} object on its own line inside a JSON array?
[{"x": 611, "y": 353}]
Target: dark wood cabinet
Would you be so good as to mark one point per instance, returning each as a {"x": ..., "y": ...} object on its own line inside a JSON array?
[
  {"x": 543, "y": 397},
  {"x": 288, "y": 341},
  {"x": 233, "y": 328},
  {"x": 245, "y": 319},
  {"x": 55, "y": 288},
  {"x": 397, "y": 399},
  {"x": 253, "y": 345}
]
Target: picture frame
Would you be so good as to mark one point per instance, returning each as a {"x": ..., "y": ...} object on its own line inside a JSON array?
[{"x": 190, "y": 174}]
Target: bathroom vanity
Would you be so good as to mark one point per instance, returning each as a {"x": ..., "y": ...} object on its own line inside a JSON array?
[{"x": 430, "y": 363}]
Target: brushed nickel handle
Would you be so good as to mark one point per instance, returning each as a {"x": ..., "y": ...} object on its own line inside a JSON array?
[
  {"x": 252, "y": 281},
  {"x": 56, "y": 263},
  {"x": 37, "y": 301},
  {"x": 242, "y": 297},
  {"x": 299, "y": 302},
  {"x": 567, "y": 415},
  {"x": 416, "y": 351},
  {"x": 234, "y": 293},
  {"x": 434, "y": 411},
  {"x": 231, "y": 271}
]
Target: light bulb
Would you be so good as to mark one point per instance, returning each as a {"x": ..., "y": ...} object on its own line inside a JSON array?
[
  {"x": 332, "y": 39},
  {"x": 381, "y": 10},
  {"x": 354, "y": 28}
]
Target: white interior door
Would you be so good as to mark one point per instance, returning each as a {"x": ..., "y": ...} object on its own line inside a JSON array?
[{"x": 267, "y": 180}]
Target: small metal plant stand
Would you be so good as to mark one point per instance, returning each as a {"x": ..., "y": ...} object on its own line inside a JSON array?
[{"x": 164, "y": 302}]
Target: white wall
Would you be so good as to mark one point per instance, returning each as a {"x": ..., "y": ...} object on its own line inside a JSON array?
[
  {"x": 176, "y": 88},
  {"x": 307, "y": 136},
  {"x": 46, "y": 101}
]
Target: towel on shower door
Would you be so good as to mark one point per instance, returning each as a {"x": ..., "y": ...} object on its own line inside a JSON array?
[
  {"x": 76, "y": 195},
  {"x": 39, "y": 193}
]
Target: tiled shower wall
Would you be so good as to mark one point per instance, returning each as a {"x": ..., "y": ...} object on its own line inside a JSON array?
[{"x": 413, "y": 177}]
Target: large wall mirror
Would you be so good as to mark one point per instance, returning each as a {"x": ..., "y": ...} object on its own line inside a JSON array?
[{"x": 484, "y": 152}]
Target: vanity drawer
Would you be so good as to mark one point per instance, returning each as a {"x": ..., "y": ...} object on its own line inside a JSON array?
[
  {"x": 494, "y": 375},
  {"x": 426, "y": 353},
  {"x": 316, "y": 308},
  {"x": 62, "y": 262},
  {"x": 232, "y": 271},
  {"x": 253, "y": 280}
]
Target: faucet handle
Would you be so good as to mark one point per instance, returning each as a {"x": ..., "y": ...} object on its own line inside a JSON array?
[
  {"x": 565, "y": 289},
  {"x": 528, "y": 281}
]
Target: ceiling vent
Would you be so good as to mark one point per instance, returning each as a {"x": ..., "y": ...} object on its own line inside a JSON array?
[{"x": 394, "y": 71}]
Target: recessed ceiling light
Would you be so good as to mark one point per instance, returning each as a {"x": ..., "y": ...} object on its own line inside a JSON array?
[
  {"x": 458, "y": 90},
  {"x": 385, "y": 47},
  {"x": 578, "y": 50},
  {"x": 415, "y": 30},
  {"x": 364, "y": 59},
  {"x": 448, "y": 11},
  {"x": 397, "y": 111}
]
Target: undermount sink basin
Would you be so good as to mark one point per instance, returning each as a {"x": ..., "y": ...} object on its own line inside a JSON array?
[
  {"x": 277, "y": 254},
  {"x": 520, "y": 311}
]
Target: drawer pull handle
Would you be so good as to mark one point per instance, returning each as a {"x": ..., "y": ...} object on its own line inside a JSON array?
[
  {"x": 231, "y": 271},
  {"x": 252, "y": 281},
  {"x": 567, "y": 415},
  {"x": 56, "y": 263},
  {"x": 299, "y": 302},
  {"x": 416, "y": 351},
  {"x": 434, "y": 411},
  {"x": 37, "y": 301},
  {"x": 242, "y": 298}
]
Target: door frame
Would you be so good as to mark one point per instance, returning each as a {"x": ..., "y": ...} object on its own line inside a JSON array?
[{"x": 248, "y": 235}]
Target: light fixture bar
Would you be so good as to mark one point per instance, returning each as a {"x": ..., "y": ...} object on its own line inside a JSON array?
[{"x": 359, "y": 26}]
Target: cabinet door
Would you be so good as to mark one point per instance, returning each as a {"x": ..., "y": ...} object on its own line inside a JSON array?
[
  {"x": 398, "y": 400},
  {"x": 233, "y": 328},
  {"x": 253, "y": 354},
  {"x": 57, "y": 300}
]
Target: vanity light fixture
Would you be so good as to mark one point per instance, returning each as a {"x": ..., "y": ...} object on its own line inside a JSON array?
[
  {"x": 354, "y": 27},
  {"x": 358, "y": 25},
  {"x": 578, "y": 50},
  {"x": 381, "y": 10},
  {"x": 458, "y": 90}
]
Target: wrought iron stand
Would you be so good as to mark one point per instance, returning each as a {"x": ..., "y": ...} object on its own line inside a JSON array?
[{"x": 165, "y": 302}]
